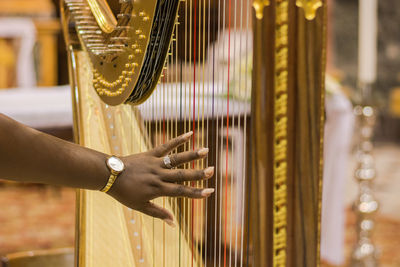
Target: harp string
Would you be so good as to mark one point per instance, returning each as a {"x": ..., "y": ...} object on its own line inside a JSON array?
[
  {"x": 180, "y": 119},
  {"x": 222, "y": 196},
  {"x": 142, "y": 147},
  {"x": 186, "y": 128},
  {"x": 178, "y": 93},
  {"x": 154, "y": 143},
  {"x": 206, "y": 235},
  {"x": 232, "y": 140},
  {"x": 193, "y": 117},
  {"x": 158, "y": 133},
  {"x": 245, "y": 183},
  {"x": 163, "y": 100},
  {"x": 190, "y": 202},
  {"x": 222, "y": 155},
  {"x": 219, "y": 140},
  {"x": 238, "y": 205},
  {"x": 170, "y": 121},
  {"x": 216, "y": 123},
  {"x": 199, "y": 108},
  {"x": 171, "y": 90},
  {"x": 235, "y": 183},
  {"x": 201, "y": 124}
]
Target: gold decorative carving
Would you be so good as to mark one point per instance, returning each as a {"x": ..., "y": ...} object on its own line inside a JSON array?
[
  {"x": 259, "y": 7},
  {"x": 310, "y": 7},
  {"x": 103, "y": 14},
  {"x": 280, "y": 134},
  {"x": 117, "y": 46}
]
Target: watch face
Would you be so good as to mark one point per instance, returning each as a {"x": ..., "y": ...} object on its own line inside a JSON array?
[{"x": 115, "y": 164}]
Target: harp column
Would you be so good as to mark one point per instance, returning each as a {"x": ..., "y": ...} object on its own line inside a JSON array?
[{"x": 287, "y": 132}]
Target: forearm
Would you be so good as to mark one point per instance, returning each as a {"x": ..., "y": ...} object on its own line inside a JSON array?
[{"x": 31, "y": 156}]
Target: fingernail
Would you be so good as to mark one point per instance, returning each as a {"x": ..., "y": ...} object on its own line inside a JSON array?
[
  {"x": 187, "y": 135},
  {"x": 170, "y": 222},
  {"x": 202, "y": 152},
  {"x": 209, "y": 172},
  {"x": 207, "y": 192}
]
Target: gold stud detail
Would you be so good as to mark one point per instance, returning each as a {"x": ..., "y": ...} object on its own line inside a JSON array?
[{"x": 310, "y": 7}]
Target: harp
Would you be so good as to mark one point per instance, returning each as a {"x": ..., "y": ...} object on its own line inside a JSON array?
[{"x": 247, "y": 77}]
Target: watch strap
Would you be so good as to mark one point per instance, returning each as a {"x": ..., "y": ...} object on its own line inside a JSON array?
[{"x": 110, "y": 182}]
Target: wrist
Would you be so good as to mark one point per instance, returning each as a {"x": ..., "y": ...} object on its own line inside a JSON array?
[{"x": 116, "y": 167}]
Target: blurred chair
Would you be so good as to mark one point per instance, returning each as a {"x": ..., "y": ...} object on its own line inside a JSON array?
[
  {"x": 62, "y": 257},
  {"x": 32, "y": 28},
  {"x": 23, "y": 30}
]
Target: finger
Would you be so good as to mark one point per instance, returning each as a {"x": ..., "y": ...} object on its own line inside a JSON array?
[
  {"x": 164, "y": 149},
  {"x": 178, "y": 190},
  {"x": 156, "y": 211},
  {"x": 184, "y": 157},
  {"x": 182, "y": 175}
]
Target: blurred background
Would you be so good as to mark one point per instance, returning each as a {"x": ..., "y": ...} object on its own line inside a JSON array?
[{"x": 34, "y": 91}]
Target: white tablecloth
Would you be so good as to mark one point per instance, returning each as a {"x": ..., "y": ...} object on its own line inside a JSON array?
[{"x": 40, "y": 107}]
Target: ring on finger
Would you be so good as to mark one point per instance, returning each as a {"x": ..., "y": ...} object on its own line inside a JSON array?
[{"x": 167, "y": 162}]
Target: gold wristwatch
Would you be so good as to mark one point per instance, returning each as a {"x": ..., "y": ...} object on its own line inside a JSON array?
[{"x": 116, "y": 167}]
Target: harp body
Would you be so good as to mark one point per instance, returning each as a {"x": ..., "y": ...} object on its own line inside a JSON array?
[{"x": 247, "y": 78}]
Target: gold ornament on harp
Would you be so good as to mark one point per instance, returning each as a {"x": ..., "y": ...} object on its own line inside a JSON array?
[
  {"x": 258, "y": 6},
  {"x": 103, "y": 15},
  {"x": 280, "y": 135},
  {"x": 310, "y": 7},
  {"x": 121, "y": 48}
]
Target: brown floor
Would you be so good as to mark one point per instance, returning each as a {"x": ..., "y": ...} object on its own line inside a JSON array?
[{"x": 35, "y": 217}]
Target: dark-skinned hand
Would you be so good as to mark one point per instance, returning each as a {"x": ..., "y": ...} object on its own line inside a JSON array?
[{"x": 146, "y": 177}]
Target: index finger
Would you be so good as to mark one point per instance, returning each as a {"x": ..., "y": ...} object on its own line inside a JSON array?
[{"x": 164, "y": 149}]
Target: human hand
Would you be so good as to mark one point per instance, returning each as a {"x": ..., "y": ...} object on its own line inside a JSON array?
[{"x": 146, "y": 177}]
